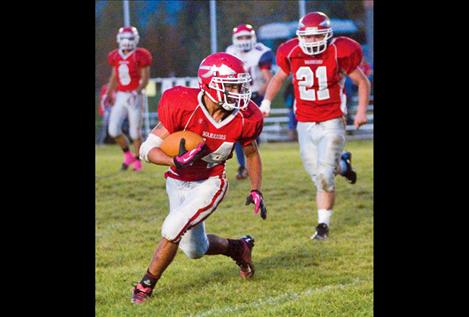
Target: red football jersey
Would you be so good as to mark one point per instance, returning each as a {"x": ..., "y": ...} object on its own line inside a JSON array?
[
  {"x": 318, "y": 80},
  {"x": 181, "y": 108},
  {"x": 128, "y": 66}
]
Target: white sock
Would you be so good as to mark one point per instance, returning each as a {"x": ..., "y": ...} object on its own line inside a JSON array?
[{"x": 324, "y": 216}]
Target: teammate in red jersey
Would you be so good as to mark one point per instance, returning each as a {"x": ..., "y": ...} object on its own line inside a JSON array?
[
  {"x": 319, "y": 65},
  {"x": 129, "y": 76},
  {"x": 222, "y": 113}
]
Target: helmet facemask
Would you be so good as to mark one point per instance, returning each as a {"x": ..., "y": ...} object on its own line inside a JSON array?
[
  {"x": 244, "y": 45},
  {"x": 127, "y": 41},
  {"x": 317, "y": 47},
  {"x": 230, "y": 100}
]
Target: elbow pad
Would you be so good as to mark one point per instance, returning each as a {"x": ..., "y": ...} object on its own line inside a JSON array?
[{"x": 151, "y": 142}]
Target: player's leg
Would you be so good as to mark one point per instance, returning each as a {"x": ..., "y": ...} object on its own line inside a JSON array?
[
  {"x": 330, "y": 147},
  {"x": 242, "y": 170},
  {"x": 135, "y": 108},
  {"x": 292, "y": 133},
  {"x": 164, "y": 253},
  {"x": 117, "y": 116},
  {"x": 239, "y": 250},
  {"x": 308, "y": 147},
  {"x": 162, "y": 258},
  {"x": 308, "y": 138},
  {"x": 345, "y": 168},
  {"x": 189, "y": 204},
  {"x": 195, "y": 243}
]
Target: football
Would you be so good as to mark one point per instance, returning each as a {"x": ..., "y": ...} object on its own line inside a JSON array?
[{"x": 170, "y": 145}]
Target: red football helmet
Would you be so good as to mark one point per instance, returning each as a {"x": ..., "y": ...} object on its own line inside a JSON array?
[
  {"x": 128, "y": 38},
  {"x": 244, "y": 44},
  {"x": 314, "y": 23},
  {"x": 220, "y": 69}
]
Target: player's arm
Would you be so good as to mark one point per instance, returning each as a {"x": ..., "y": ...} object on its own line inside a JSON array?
[
  {"x": 150, "y": 149},
  {"x": 272, "y": 90},
  {"x": 144, "y": 78},
  {"x": 111, "y": 87},
  {"x": 360, "y": 79},
  {"x": 254, "y": 166}
]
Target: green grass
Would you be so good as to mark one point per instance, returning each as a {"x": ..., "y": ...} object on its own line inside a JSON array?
[{"x": 294, "y": 275}]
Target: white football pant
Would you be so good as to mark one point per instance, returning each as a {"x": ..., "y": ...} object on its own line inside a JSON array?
[
  {"x": 125, "y": 105},
  {"x": 189, "y": 204},
  {"x": 321, "y": 145}
]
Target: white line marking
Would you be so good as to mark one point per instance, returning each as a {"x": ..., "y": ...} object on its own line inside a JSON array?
[{"x": 290, "y": 296}]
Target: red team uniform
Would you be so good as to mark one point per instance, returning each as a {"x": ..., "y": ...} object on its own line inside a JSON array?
[
  {"x": 127, "y": 63},
  {"x": 128, "y": 67},
  {"x": 180, "y": 108},
  {"x": 318, "y": 80},
  {"x": 319, "y": 65}
]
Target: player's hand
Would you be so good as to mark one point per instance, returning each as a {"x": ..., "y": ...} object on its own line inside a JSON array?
[
  {"x": 108, "y": 100},
  {"x": 265, "y": 107},
  {"x": 255, "y": 197},
  {"x": 360, "y": 119},
  {"x": 187, "y": 158},
  {"x": 103, "y": 104}
]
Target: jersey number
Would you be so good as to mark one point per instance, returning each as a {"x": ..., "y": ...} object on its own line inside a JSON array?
[
  {"x": 219, "y": 155},
  {"x": 305, "y": 77},
  {"x": 124, "y": 75}
]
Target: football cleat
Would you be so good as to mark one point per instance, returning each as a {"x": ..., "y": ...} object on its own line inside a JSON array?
[
  {"x": 137, "y": 165},
  {"x": 322, "y": 232},
  {"x": 350, "y": 175},
  {"x": 242, "y": 173},
  {"x": 243, "y": 257},
  {"x": 140, "y": 293},
  {"x": 128, "y": 160}
]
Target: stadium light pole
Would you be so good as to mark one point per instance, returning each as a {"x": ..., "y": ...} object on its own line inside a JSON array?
[
  {"x": 213, "y": 26},
  {"x": 302, "y": 7},
  {"x": 369, "y": 28},
  {"x": 125, "y": 5}
]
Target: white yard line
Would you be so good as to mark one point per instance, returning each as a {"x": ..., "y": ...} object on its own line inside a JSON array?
[{"x": 290, "y": 296}]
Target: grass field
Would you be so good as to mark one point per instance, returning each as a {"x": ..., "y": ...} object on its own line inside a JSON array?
[{"x": 295, "y": 276}]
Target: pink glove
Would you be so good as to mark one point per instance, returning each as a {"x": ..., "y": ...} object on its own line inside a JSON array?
[
  {"x": 255, "y": 197},
  {"x": 187, "y": 158}
]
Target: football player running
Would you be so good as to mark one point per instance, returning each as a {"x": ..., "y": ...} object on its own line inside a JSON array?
[
  {"x": 319, "y": 65},
  {"x": 129, "y": 76},
  {"x": 221, "y": 112},
  {"x": 258, "y": 60}
]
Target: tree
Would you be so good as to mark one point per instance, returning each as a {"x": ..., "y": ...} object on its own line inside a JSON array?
[{"x": 105, "y": 39}]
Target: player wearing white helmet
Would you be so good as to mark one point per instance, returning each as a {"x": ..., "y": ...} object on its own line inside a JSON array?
[
  {"x": 129, "y": 76},
  {"x": 258, "y": 60}
]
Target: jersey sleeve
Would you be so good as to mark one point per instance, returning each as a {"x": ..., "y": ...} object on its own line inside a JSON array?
[
  {"x": 266, "y": 60},
  {"x": 102, "y": 92},
  {"x": 168, "y": 113},
  {"x": 349, "y": 54},
  {"x": 230, "y": 50},
  {"x": 252, "y": 128},
  {"x": 111, "y": 59},
  {"x": 145, "y": 58},
  {"x": 282, "y": 60}
]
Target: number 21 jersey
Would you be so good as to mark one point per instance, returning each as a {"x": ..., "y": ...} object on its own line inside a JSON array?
[{"x": 318, "y": 80}]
